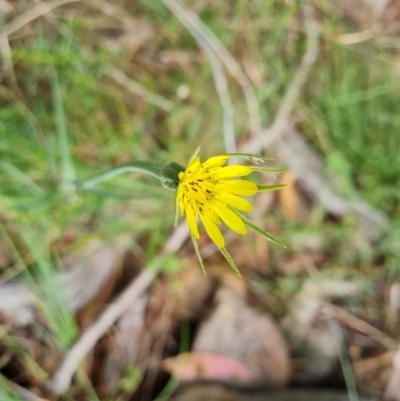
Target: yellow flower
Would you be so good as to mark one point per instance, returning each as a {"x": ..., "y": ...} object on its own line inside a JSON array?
[{"x": 210, "y": 191}]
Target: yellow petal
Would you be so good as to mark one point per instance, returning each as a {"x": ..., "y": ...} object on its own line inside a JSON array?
[
  {"x": 234, "y": 171},
  {"x": 215, "y": 217},
  {"x": 191, "y": 221},
  {"x": 242, "y": 187},
  {"x": 181, "y": 206},
  {"x": 216, "y": 161},
  {"x": 212, "y": 231},
  {"x": 236, "y": 202},
  {"x": 232, "y": 220},
  {"x": 193, "y": 165}
]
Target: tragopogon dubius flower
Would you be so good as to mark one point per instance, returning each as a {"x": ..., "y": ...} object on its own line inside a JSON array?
[{"x": 210, "y": 191}]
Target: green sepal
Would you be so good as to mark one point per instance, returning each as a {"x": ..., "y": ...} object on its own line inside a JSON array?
[
  {"x": 229, "y": 259},
  {"x": 169, "y": 175},
  {"x": 197, "y": 252},
  {"x": 250, "y": 156},
  {"x": 266, "y": 188},
  {"x": 267, "y": 169},
  {"x": 258, "y": 230}
]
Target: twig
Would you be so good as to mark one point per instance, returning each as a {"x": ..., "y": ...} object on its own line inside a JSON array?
[
  {"x": 191, "y": 22},
  {"x": 61, "y": 379},
  {"x": 363, "y": 327},
  {"x": 203, "y": 33}
]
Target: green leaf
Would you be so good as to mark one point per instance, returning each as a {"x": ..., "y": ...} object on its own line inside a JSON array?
[
  {"x": 229, "y": 259},
  {"x": 258, "y": 230},
  {"x": 197, "y": 252},
  {"x": 266, "y": 188},
  {"x": 169, "y": 175}
]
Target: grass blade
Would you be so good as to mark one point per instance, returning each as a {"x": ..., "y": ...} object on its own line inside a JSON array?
[{"x": 68, "y": 173}]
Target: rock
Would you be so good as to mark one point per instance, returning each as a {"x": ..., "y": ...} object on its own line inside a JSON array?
[{"x": 236, "y": 330}]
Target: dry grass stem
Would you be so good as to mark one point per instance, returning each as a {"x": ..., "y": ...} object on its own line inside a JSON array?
[
  {"x": 206, "y": 36},
  {"x": 282, "y": 119},
  {"x": 31, "y": 14},
  {"x": 194, "y": 26},
  {"x": 363, "y": 327}
]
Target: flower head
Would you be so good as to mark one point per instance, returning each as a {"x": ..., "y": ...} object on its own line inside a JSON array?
[
  {"x": 208, "y": 190},
  {"x": 212, "y": 192}
]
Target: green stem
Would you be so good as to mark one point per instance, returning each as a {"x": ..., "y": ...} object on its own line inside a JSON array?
[{"x": 150, "y": 168}]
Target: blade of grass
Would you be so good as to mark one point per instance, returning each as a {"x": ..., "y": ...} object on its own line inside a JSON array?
[
  {"x": 68, "y": 173},
  {"x": 21, "y": 177}
]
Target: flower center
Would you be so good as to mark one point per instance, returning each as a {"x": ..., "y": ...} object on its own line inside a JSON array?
[{"x": 198, "y": 190}]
